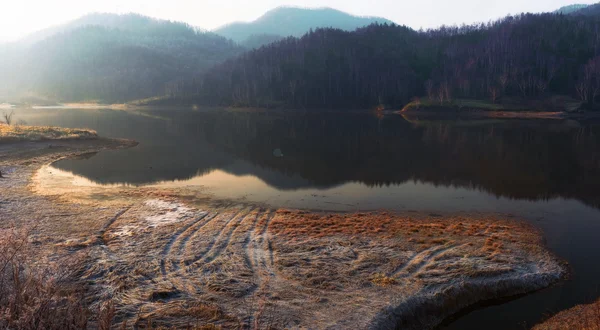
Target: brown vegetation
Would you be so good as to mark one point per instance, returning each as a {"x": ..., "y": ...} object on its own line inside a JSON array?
[
  {"x": 170, "y": 260},
  {"x": 584, "y": 317},
  {"x": 13, "y": 133},
  {"x": 35, "y": 294}
]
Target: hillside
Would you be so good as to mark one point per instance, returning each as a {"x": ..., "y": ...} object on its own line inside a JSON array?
[
  {"x": 291, "y": 21},
  {"x": 127, "y": 22},
  {"x": 591, "y": 10},
  {"x": 570, "y": 9},
  {"x": 109, "y": 58},
  {"x": 523, "y": 58},
  {"x": 259, "y": 40}
]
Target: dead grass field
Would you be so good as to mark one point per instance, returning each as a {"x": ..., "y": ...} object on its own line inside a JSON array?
[
  {"x": 584, "y": 317},
  {"x": 168, "y": 259},
  {"x": 14, "y": 133}
]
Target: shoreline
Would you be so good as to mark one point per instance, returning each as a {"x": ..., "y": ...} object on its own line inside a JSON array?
[
  {"x": 586, "y": 316},
  {"x": 267, "y": 252},
  {"x": 498, "y": 114}
]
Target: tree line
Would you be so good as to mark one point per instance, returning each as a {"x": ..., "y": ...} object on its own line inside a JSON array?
[{"x": 529, "y": 56}]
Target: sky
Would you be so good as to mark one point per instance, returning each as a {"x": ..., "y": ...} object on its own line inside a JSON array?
[{"x": 21, "y": 17}]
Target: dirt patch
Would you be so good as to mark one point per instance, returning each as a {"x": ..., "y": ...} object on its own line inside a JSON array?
[{"x": 169, "y": 258}]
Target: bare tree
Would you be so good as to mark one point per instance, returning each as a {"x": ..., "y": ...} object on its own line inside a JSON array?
[
  {"x": 582, "y": 91},
  {"x": 503, "y": 80},
  {"x": 8, "y": 117},
  {"x": 440, "y": 95},
  {"x": 493, "y": 90},
  {"x": 429, "y": 88},
  {"x": 446, "y": 90},
  {"x": 541, "y": 86}
]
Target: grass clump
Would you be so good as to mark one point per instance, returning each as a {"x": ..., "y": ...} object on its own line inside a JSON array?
[
  {"x": 579, "y": 317},
  {"x": 14, "y": 133},
  {"x": 36, "y": 295},
  {"x": 383, "y": 280}
]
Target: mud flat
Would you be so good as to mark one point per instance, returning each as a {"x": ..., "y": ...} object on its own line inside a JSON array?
[{"x": 179, "y": 258}]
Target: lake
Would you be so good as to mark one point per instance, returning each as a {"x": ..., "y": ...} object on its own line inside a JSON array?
[{"x": 546, "y": 172}]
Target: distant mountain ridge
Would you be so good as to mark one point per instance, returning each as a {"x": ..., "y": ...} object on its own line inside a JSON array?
[
  {"x": 128, "y": 22},
  {"x": 591, "y": 10},
  {"x": 570, "y": 9},
  {"x": 109, "y": 58},
  {"x": 295, "y": 21}
]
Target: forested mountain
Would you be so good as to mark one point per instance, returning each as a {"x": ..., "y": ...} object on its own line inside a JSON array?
[
  {"x": 530, "y": 56},
  {"x": 259, "y": 40},
  {"x": 591, "y": 10},
  {"x": 570, "y": 9},
  {"x": 292, "y": 21},
  {"x": 127, "y": 22},
  {"x": 110, "y": 58}
]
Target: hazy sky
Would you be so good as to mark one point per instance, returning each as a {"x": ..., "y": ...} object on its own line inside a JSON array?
[{"x": 20, "y": 17}]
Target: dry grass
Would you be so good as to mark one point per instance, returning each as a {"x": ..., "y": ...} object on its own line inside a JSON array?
[
  {"x": 14, "y": 133},
  {"x": 383, "y": 280},
  {"x": 37, "y": 295},
  {"x": 205, "y": 264},
  {"x": 582, "y": 317}
]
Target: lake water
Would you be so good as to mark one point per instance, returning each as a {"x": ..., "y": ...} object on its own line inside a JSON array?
[{"x": 544, "y": 172}]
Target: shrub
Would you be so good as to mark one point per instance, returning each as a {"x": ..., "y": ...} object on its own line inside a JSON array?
[{"x": 36, "y": 295}]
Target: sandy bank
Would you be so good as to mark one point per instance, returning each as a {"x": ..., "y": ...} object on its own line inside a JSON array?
[{"x": 179, "y": 259}]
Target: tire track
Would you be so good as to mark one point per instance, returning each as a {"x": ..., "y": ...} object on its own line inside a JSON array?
[
  {"x": 225, "y": 231},
  {"x": 167, "y": 249},
  {"x": 109, "y": 223},
  {"x": 225, "y": 243},
  {"x": 249, "y": 255},
  {"x": 262, "y": 251},
  {"x": 420, "y": 260}
]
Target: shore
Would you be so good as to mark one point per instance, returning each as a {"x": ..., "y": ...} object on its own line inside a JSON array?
[
  {"x": 558, "y": 108},
  {"x": 174, "y": 258},
  {"x": 579, "y": 317}
]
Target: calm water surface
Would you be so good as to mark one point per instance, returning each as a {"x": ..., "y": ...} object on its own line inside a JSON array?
[{"x": 545, "y": 172}]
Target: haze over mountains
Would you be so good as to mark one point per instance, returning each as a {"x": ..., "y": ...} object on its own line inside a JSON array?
[
  {"x": 570, "y": 9},
  {"x": 291, "y": 21},
  {"x": 110, "y": 58},
  {"x": 119, "y": 58}
]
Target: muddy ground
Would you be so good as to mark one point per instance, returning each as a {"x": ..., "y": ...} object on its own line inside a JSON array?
[{"x": 179, "y": 258}]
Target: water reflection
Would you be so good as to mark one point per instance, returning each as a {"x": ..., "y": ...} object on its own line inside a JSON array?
[
  {"x": 517, "y": 159},
  {"x": 539, "y": 171}
]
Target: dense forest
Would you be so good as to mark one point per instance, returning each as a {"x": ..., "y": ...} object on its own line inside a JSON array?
[
  {"x": 530, "y": 56},
  {"x": 109, "y": 58},
  {"x": 120, "y": 58}
]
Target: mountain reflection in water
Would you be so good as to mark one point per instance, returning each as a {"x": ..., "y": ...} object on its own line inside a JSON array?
[
  {"x": 535, "y": 170},
  {"x": 516, "y": 159}
]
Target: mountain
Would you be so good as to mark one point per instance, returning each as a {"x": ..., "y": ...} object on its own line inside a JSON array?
[
  {"x": 109, "y": 58},
  {"x": 591, "y": 10},
  {"x": 128, "y": 22},
  {"x": 258, "y": 40},
  {"x": 521, "y": 59},
  {"x": 293, "y": 21},
  {"x": 570, "y": 9}
]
